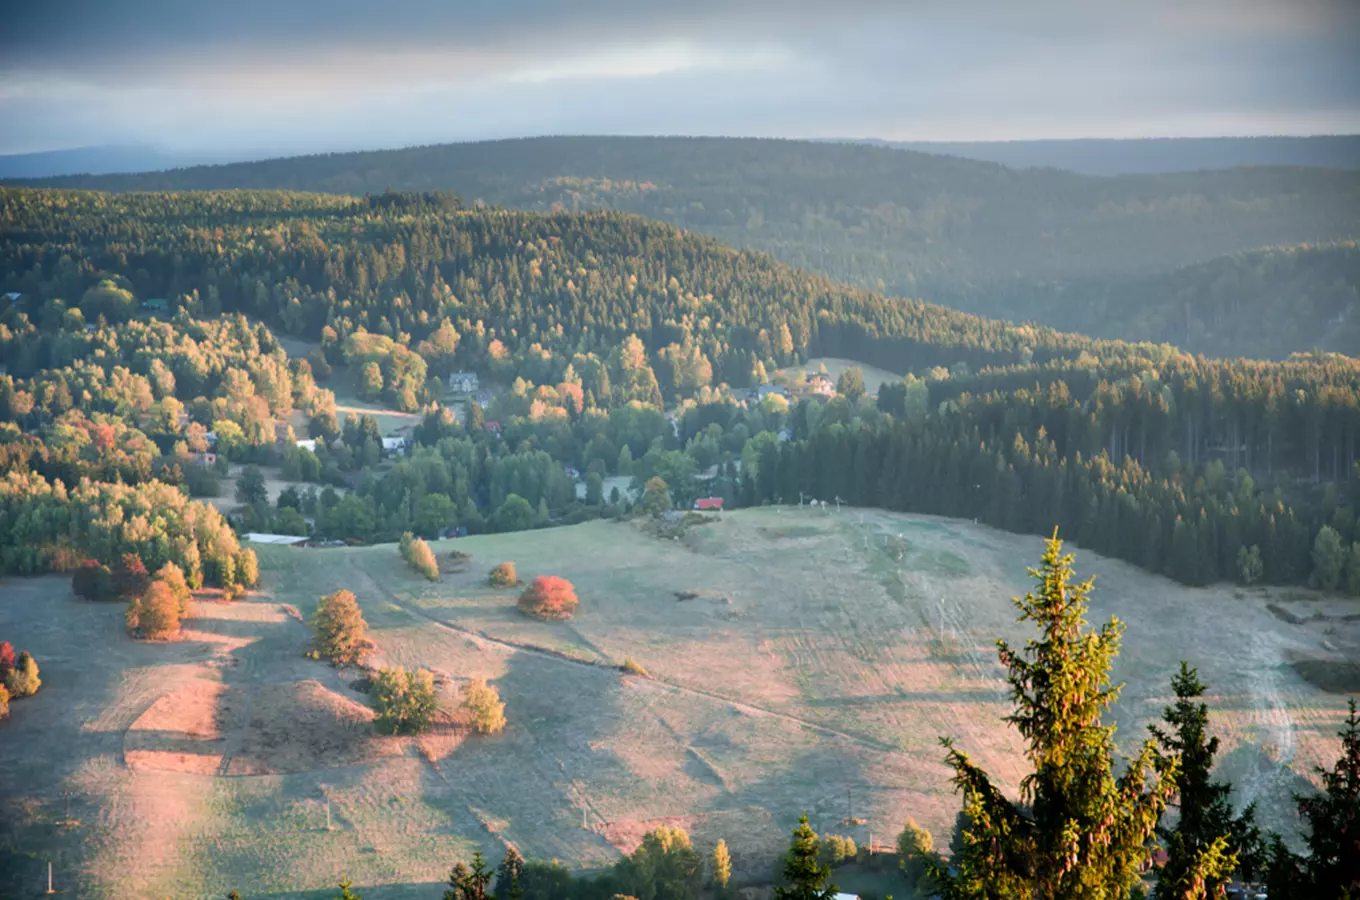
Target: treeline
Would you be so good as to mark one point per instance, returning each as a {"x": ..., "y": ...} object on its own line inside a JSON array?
[{"x": 911, "y": 224}]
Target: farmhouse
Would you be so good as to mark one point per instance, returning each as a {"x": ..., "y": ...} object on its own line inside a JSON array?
[
  {"x": 708, "y": 504},
  {"x": 821, "y": 384},
  {"x": 307, "y": 444},
  {"x": 394, "y": 445},
  {"x": 463, "y": 382}
]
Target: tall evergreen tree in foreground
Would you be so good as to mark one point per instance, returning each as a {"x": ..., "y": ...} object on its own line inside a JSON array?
[
  {"x": 1208, "y": 842},
  {"x": 1077, "y": 832}
]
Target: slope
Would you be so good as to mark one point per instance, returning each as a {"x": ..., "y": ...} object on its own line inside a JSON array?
[{"x": 907, "y": 223}]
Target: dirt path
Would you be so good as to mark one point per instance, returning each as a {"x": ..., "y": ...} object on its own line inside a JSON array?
[{"x": 742, "y": 706}]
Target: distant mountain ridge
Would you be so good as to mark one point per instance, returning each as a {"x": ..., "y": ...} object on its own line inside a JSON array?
[
  {"x": 1150, "y": 156},
  {"x": 974, "y": 235}
]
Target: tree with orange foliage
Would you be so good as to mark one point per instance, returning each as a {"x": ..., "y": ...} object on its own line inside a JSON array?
[{"x": 549, "y": 597}]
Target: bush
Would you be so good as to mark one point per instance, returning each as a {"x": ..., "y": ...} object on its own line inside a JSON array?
[
  {"x": 247, "y": 568},
  {"x": 504, "y": 575},
  {"x": 173, "y": 577},
  {"x": 340, "y": 629},
  {"x": 131, "y": 578},
  {"x": 4, "y": 702},
  {"x": 549, "y": 597},
  {"x": 404, "y": 700},
  {"x": 633, "y": 667},
  {"x": 155, "y": 613},
  {"x": 23, "y": 680},
  {"x": 419, "y": 556},
  {"x": 487, "y": 712},
  {"x": 6, "y": 660},
  {"x": 93, "y": 580}
]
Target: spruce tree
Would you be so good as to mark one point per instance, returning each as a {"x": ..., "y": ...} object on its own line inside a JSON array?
[
  {"x": 808, "y": 879},
  {"x": 1333, "y": 817},
  {"x": 508, "y": 874},
  {"x": 1077, "y": 832},
  {"x": 1199, "y": 850}
]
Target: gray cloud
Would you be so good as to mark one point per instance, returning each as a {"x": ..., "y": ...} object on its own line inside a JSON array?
[{"x": 323, "y": 74}]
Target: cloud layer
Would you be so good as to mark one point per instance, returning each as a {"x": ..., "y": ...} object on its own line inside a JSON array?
[{"x": 308, "y": 75}]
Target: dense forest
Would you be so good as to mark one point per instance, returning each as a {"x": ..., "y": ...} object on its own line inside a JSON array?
[
  {"x": 128, "y": 343},
  {"x": 960, "y": 232},
  {"x": 1262, "y": 304}
]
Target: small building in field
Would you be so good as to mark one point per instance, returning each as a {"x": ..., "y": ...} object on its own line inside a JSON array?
[
  {"x": 463, "y": 382},
  {"x": 493, "y": 427},
  {"x": 766, "y": 390},
  {"x": 286, "y": 540},
  {"x": 13, "y": 296},
  {"x": 204, "y": 459},
  {"x": 708, "y": 504},
  {"x": 391, "y": 446},
  {"x": 307, "y": 444}
]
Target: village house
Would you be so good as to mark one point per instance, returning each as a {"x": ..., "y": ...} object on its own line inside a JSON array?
[
  {"x": 493, "y": 427},
  {"x": 708, "y": 504},
  {"x": 766, "y": 390},
  {"x": 821, "y": 384},
  {"x": 391, "y": 446},
  {"x": 307, "y": 444},
  {"x": 463, "y": 382}
]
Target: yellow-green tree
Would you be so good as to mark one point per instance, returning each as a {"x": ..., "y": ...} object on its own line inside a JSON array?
[
  {"x": 485, "y": 710},
  {"x": 340, "y": 630},
  {"x": 1079, "y": 831}
]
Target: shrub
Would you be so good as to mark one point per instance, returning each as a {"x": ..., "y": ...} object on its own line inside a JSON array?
[
  {"x": 656, "y": 496},
  {"x": 633, "y": 667},
  {"x": 247, "y": 568},
  {"x": 131, "y": 578},
  {"x": 340, "y": 629},
  {"x": 484, "y": 704},
  {"x": 93, "y": 580},
  {"x": 23, "y": 680},
  {"x": 404, "y": 700},
  {"x": 4, "y": 702},
  {"x": 155, "y": 613},
  {"x": 419, "y": 556},
  {"x": 173, "y": 577},
  {"x": 6, "y": 660},
  {"x": 504, "y": 575},
  {"x": 549, "y": 597}
]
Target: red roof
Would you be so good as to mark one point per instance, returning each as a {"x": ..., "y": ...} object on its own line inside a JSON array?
[{"x": 709, "y": 503}]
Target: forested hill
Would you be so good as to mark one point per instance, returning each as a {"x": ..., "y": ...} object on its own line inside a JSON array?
[
  {"x": 949, "y": 230},
  {"x": 1258, "y": 304},
  {"x": 513, "y": 284}
]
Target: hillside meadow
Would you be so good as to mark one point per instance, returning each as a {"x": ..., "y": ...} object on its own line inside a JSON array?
[{"x": 800, "y": 660}]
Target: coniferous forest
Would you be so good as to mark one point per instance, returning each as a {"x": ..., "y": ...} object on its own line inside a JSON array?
[
  {"x": 145, "y": 321},
  {"x": 1118, "y": 256}
]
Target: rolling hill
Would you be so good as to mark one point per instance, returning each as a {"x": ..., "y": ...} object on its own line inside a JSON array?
[{"x": 935, "y": 227}]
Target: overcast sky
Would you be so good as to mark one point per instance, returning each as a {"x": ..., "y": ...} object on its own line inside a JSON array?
[{"x": 313, "y": 75}]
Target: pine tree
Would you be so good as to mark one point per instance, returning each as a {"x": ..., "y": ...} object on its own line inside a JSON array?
[
  {"x": 1333, "y": 817},
  {"x": 508, "y": 874},
  {"x": 1077, "y": 832},
  {"x": 345, "y": 892},
  {"x": 808, "y": 879},
  {"x": 1199, "y": 848}
]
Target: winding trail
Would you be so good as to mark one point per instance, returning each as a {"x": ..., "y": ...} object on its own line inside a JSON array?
[{"x": 747, "y": 708}]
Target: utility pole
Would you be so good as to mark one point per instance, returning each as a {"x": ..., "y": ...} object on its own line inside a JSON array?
[
  {"x": 328, "y": 813},
  {"x": 49, "y": 877},
  {"x": 67, "y": 795}
]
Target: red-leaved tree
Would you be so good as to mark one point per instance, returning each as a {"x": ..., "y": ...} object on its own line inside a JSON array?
[{"x": 549, "y": 597}]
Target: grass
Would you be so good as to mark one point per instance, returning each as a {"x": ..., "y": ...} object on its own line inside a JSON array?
[{"x": 808, "y": 658}]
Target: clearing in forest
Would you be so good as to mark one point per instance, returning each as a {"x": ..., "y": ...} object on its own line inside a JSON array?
[{"x": 800, "y": 661}]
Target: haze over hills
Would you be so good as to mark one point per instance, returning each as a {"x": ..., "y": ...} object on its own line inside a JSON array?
[
  {"x": 1133, "y": 156},
  {"x": 973, "y": 235}
]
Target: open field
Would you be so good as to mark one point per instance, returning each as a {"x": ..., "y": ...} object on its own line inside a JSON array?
[
  {"x": 874, "y": 377},
  {"x": 819, "y": 660}
]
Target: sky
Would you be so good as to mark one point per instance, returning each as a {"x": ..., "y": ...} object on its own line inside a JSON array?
[{"x": 291, "y": 76}]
